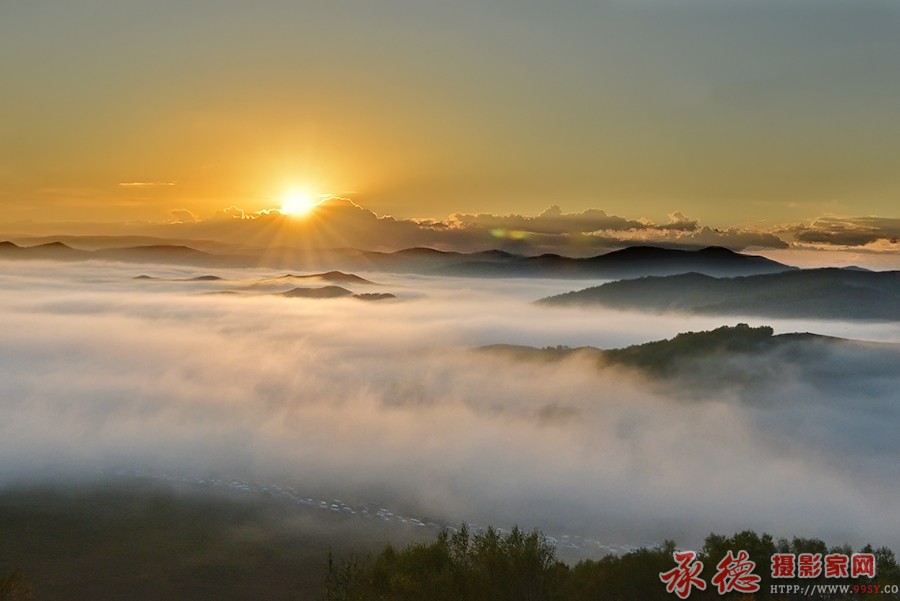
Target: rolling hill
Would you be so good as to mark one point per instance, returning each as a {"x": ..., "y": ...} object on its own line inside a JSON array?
[
  {"x": 322, "y": 292},
  {"x": 811, "y": 293},
  {"x": 730, "y": 356}
]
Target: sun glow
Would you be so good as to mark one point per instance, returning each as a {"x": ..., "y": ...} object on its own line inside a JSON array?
[{"x": 296, "y": 204}]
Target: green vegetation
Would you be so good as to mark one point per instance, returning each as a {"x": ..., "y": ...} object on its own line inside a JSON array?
[
  {"x": 736, "y": 357},
  {"x": 661, "y": 357},
  {"x": 667, "y": 357},
  {"x": 524, "y": 567},
  {"x": 487, "y": 566},
  {"x": 155, "y": 543}
]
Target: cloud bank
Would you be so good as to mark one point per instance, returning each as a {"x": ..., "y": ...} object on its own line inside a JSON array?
[
  {"x": 340, "y": 223},
  {"x": 388, "y": 403},
  {"x": 876, "y": 232}
]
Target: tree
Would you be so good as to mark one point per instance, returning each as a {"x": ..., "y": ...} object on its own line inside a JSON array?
[{"x": 518, "y": 566}]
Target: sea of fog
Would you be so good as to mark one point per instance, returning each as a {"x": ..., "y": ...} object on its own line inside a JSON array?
[{"x": 386, "y": 402}]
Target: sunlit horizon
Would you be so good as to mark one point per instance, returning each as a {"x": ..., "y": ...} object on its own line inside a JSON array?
[{"x": 297, "y": 203}]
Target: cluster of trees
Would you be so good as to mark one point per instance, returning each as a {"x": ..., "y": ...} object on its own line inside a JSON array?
[
  {"x": 519, "y": 566},
  {"x": 523, "y": 567},
  {"x": 663, "y": 357}
]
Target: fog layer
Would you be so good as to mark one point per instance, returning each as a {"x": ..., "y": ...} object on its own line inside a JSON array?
[{"x": 387, "y": 402}]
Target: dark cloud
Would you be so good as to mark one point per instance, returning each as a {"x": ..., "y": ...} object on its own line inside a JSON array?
[
  {"x": 553, "y": 231},
  {"x": 733, "y": 238},
  {"x": 848, "y": 231}
]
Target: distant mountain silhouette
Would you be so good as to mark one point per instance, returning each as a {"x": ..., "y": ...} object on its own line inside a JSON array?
[
  {"x": 169, "y": 254},
  {"x": 56, "y": 251},
  {"x": 375, "y": 296},
  {"x": 335, "y": 292},
  {"x": 155, "y": 253},
  {"x": 323, "y": 292},
  {"x": 88, "y": 242},
  {"x": 630, "y": 262},
  {"x": 199, "y": 278},
  {"x": 421, "y": 251},
  {"x": 813, "y": 293},
  {"x": 330, "y": 276}
]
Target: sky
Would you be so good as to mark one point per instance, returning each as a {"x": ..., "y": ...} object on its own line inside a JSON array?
[{"x": 737, "y": 114}]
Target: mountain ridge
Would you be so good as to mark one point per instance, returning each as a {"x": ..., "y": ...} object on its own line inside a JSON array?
[
  {"x": 826, "y": 293},
  {"x": 668, "y": 357},
  {"x": 630, "y": 262}
]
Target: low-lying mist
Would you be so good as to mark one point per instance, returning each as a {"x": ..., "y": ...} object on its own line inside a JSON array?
[{"x": 388, "y": 402}]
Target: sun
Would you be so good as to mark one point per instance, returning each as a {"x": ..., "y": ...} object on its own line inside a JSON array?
[{"x": 296, "y": 204}]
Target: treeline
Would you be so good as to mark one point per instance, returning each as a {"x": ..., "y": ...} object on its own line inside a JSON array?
[
  {"x": 519, "y": 566},
  {"x": 662, "y": 357}
]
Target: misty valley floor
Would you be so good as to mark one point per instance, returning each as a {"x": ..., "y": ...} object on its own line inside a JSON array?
[{"x": 147, "y": 541}]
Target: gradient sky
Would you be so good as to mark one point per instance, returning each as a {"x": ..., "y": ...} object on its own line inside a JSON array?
[{"x": 733, "y": 112}]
